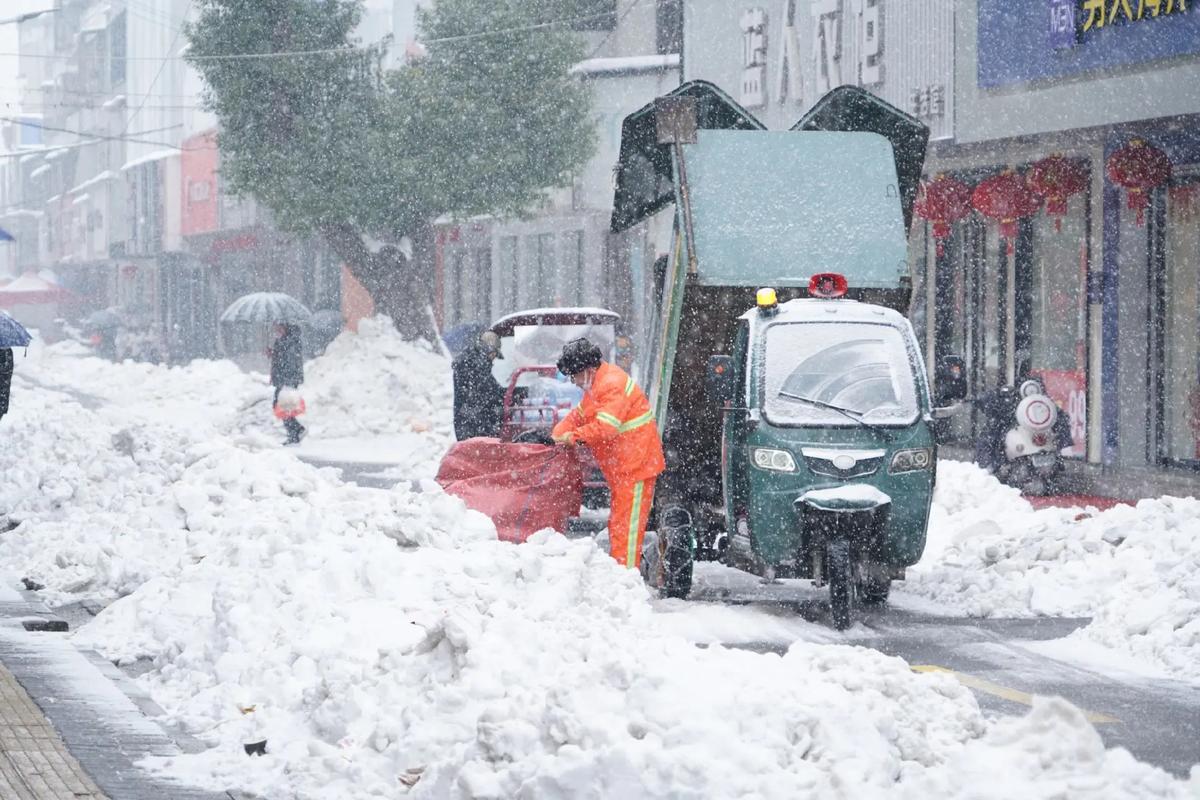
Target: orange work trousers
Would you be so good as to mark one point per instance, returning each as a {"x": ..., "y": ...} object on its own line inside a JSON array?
[{"x": 627, "y": 521}]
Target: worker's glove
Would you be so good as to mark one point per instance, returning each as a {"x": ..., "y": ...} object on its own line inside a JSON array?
[{"x": 567, "y": 439}]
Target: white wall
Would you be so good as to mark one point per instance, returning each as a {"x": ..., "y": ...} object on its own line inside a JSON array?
[{"x": 894, "y": 48}]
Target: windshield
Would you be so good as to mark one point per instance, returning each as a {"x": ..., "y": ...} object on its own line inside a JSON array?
[{"x": 815, "y": 368}]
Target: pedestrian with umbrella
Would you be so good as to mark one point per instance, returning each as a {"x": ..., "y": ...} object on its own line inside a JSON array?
[
  {"x": 287, "y": 315},
  {"x": 287, "y": 373},
  {"x": 12, "y": 334}
]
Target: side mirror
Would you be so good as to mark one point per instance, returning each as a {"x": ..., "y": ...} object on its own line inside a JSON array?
[
  {"x": 718, "y": 381},
  {"x": 950, "y": 380}
]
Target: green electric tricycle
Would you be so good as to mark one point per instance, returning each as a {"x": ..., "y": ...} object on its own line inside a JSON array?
[{"x": 788, "y": 385}]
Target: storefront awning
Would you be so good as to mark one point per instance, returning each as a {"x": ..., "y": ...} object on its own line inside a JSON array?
[
  {"x": 107, "y": 175},
  {"x": 157, "y": 155}
]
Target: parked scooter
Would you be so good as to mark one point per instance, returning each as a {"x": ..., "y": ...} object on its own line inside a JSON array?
[{"x": 1023, "y": 436}]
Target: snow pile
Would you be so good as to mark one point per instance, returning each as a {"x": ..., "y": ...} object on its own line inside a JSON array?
[
  {"x": 380, "y": 638},
  {"x": 374, "y": 384},
  {"x": 1135, "y": 570},
  {"x": 89, "y": 500},
  {"x": 1053, "y": 752},
  {"x": 378, "y": 634},
  {"x": 1152, "y": 606},
  {"x": 203, "y": 398}
]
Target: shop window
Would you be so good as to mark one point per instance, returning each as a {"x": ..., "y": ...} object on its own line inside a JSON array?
[
  {"x": 483, "y": 285},
  {"x": 542, "y": 273},
  {"x": 573, "y": 266},
  {"x": 1181, "y": 325},
  {"x": 668, "y": 20},
  {"x": 594, "y": 15},
  {"x": 454, "y": 288},
  {"x": 1057, "y": 308},
  {"x": 509, "y": 273}
]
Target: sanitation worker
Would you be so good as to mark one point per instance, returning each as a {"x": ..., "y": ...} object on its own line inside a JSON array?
[{"x": 615, "y": 421}]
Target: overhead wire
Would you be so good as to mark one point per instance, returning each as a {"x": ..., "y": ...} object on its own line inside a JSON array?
[
  {"x": 123, "y": 136},
  {"x": 330, "y": 50},
  {"x": 158, "y": 74}
]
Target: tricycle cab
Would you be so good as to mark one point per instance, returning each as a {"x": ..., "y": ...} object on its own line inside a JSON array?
[{"x": 829, "y": 416}]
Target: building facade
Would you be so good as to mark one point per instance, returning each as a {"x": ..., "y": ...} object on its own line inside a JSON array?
[
  {"x": 1095, "y": 291},
  {"x": 564, "y": 254},
  {"x": 120, "y": 195}
]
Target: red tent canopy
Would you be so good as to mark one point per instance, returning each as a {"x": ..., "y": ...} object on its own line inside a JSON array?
[{"x": 30, "y": 289}]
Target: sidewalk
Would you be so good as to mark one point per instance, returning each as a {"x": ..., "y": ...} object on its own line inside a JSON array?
[
  {"x": 34, "y": 761},
  {"x": 71, "y": 724}
]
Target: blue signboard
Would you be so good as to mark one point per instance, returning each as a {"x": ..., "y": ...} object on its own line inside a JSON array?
[{"x": 1020, "y": 41}]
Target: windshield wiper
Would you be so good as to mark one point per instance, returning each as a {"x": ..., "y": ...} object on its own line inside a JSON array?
[{"x": 849, "y": 413}]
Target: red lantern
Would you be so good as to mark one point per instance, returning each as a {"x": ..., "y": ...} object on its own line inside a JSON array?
[
  {"x": 1005, "y": 198},
  {"x": 943, "y": 201},
  {"x": 1138, "y": 168},
  {"x": 1056, "y": 178}
]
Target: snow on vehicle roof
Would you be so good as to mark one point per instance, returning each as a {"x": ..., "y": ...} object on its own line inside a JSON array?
[
  {"x": 505, "y": 324},
  {"x": 841, "y": 310}
]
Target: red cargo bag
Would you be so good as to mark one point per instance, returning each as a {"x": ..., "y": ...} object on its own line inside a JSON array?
[{"x": 522, "y": 487}]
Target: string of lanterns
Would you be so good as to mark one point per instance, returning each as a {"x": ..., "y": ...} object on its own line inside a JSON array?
[{"x": 1010, "y": 196}]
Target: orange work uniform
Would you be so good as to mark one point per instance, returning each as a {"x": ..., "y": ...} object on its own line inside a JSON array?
[{"x": 616, "y": 423}]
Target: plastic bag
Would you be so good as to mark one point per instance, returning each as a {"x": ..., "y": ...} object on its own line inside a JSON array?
[
  {"x": 289, "y": 404},
  {"x": 523, "y": 488}
]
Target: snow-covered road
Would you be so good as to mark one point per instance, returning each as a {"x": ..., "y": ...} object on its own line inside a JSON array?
[
  {"x": 1005, "y": 661},
  {"x": 383, "y": 637}
]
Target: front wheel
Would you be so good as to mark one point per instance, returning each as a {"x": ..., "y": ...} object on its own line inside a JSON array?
[{"x": 841, "y": 581}]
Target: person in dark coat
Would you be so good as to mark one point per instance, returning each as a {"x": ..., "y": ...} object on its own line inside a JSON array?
[
  {"x": 6, "y": 373},
  {"x": 287, "y": 370},
  {"x": 478, "y": 397}
]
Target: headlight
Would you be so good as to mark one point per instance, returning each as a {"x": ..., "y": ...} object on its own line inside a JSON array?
[
  {"x": 911, "y": 460},
  {"x": 778, "y": 460}
]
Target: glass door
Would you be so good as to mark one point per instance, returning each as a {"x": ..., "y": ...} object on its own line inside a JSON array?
[{"x": 1179, "y": 434}]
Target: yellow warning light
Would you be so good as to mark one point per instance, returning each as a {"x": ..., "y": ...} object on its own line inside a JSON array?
[{"x": 767, "y": 299}]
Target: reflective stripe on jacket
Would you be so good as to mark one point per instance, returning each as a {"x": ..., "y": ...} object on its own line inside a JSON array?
[{"x": 616, "y": 423}]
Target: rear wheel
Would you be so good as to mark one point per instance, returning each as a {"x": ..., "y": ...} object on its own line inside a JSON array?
[
  {"x": 875, "y": 590},
  {"x": 678, "y": 562},
  {"x": 841, "y": 586}
]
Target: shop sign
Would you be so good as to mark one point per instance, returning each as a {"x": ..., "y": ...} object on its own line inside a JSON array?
[
  {"x": 1098, "y": 13},
  {"x": 928, "y": 102},
  {"x": 825, "y": 50},
  {"x": 1019, "y": 41}
]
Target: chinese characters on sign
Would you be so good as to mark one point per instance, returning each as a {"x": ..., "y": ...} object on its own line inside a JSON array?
[
  {"x": 928, "y": 102},
  {"x": 1112, "y": 12},
  {"x": 826, "y": 44},
  {"x": 754, "y": 57},
  {"x": 846, "y": 45},
  {"x": 788, "y": 85}
]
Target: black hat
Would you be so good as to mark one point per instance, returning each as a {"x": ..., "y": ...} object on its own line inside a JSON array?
[{"x": 578, "y": 355}]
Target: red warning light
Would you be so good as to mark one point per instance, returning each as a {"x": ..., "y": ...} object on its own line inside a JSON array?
[{"x": 827, "y": 285}]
